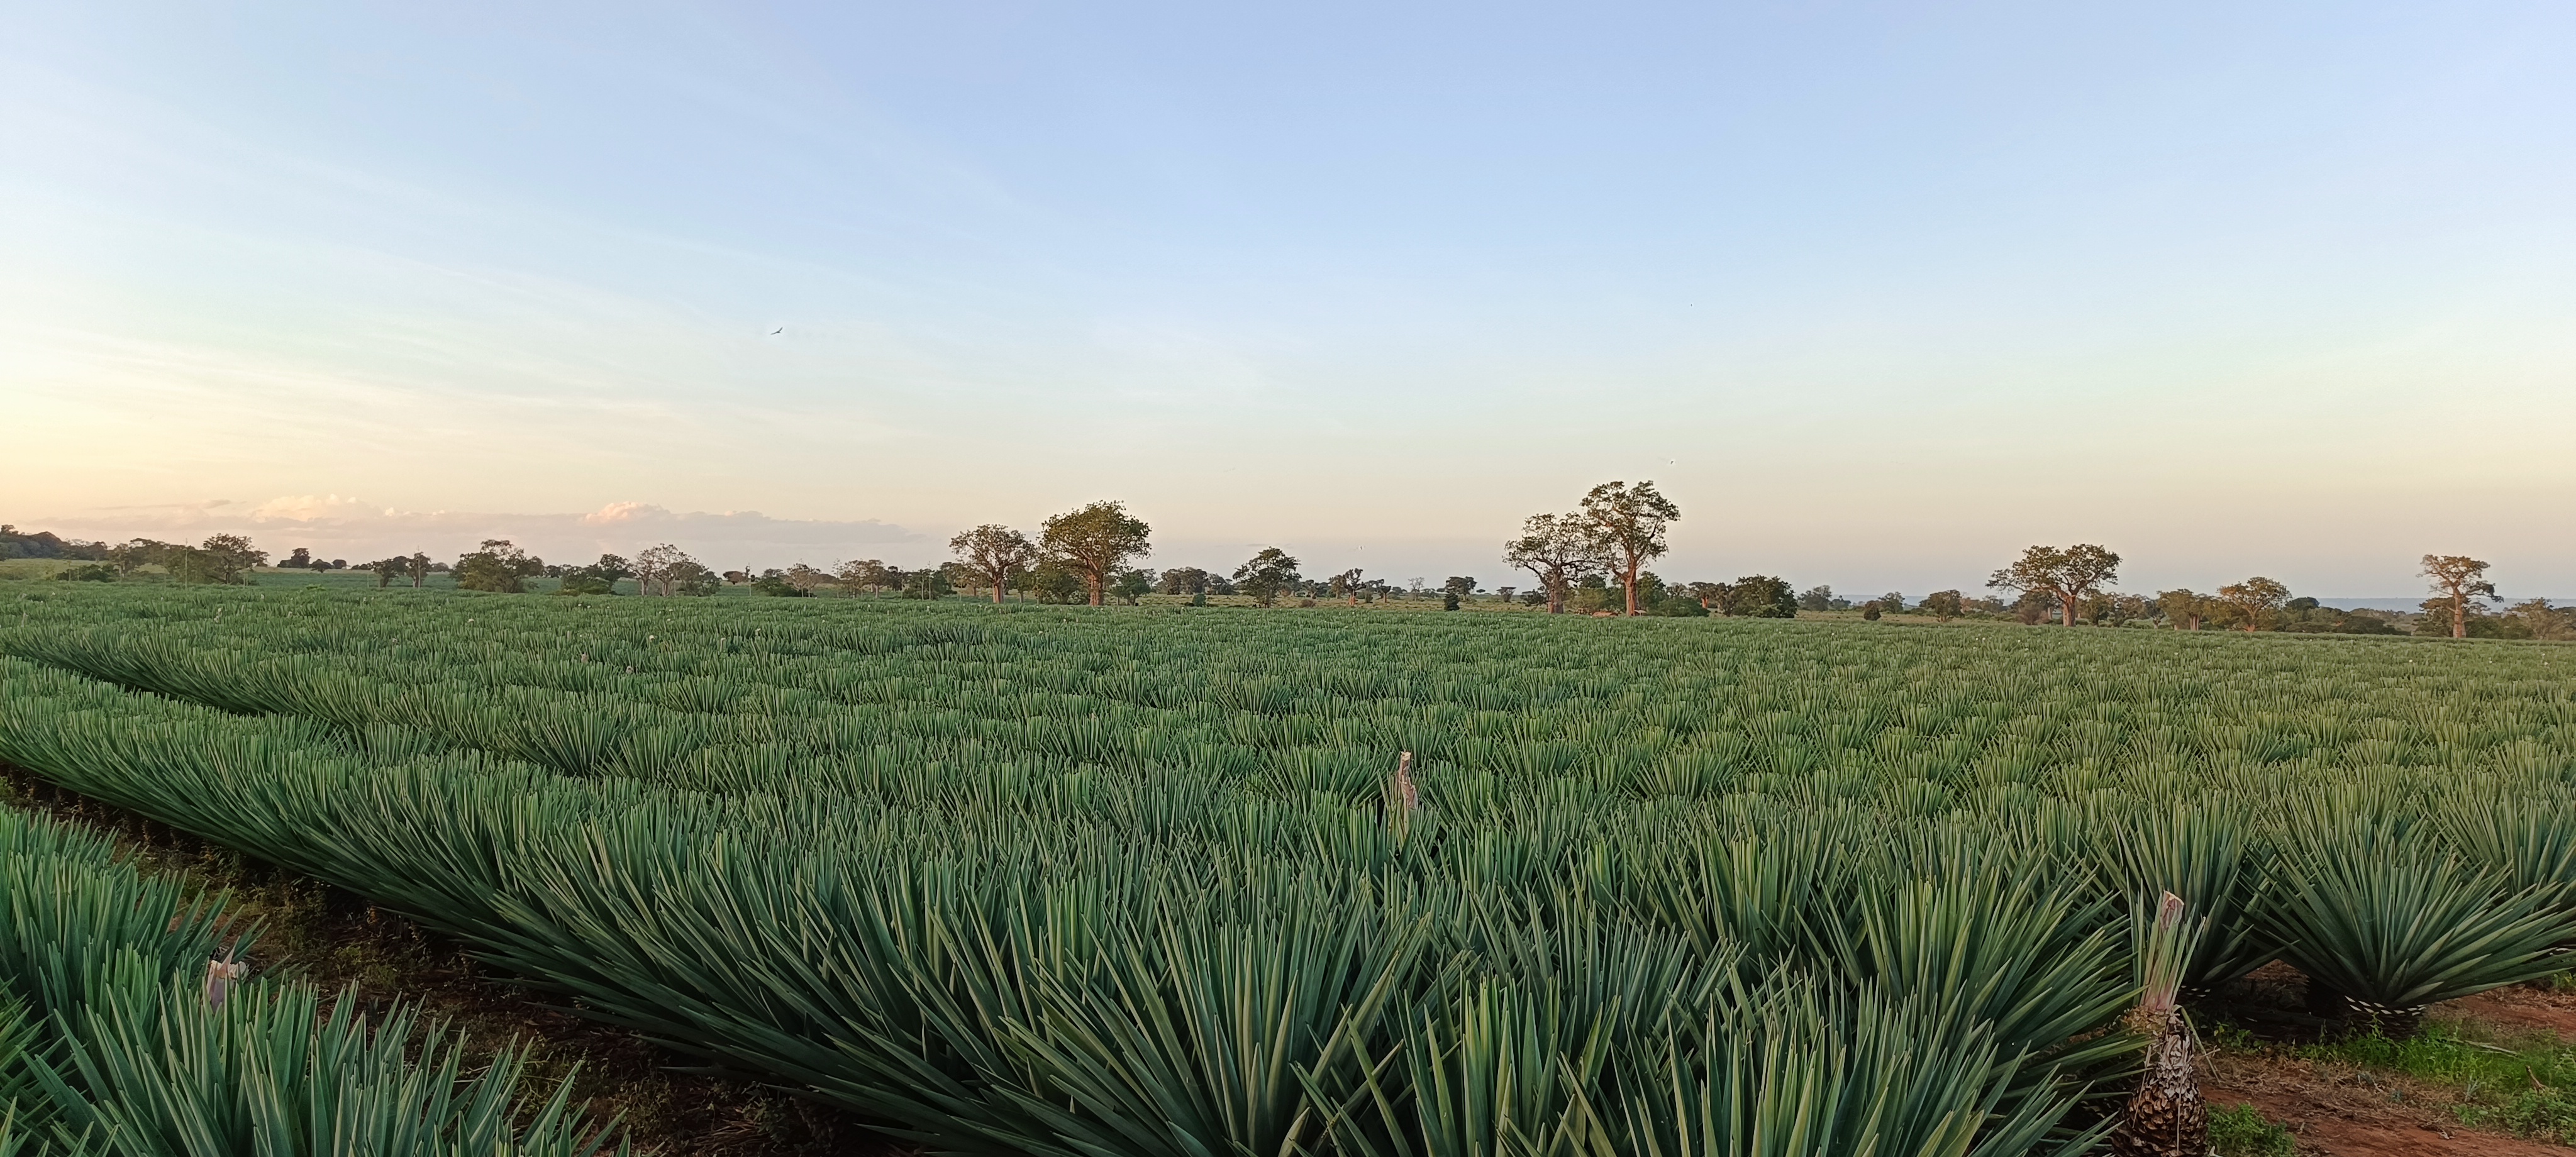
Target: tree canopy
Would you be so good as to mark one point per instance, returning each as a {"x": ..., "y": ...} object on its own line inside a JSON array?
[
  {"x": 2070, "y": 575},
  {"x": 1094, "y": 541},
  {"x": 1266, "y": 575},
  {"x": 993, "y": 554},
  {"x": 2460, "y": 586},
  {"x": 1628, "y": 527},
  {"x": 1556, "y": 550}
]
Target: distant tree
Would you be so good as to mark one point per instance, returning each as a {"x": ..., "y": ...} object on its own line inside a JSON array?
[
  {"x": 669, "y": 568},
  {"x": 139, "y": 553},
  {"x": 1680, "y": 603},
  {"x": 1593, "y": 595},
  {"x": 1891, "y": 603},
  {"x": 388, "y": 569},
  {"x": 1133, "y": 585},
  {"x": 609, "y": 569},
  {"x": 1266, "y": 575},
  {"x": 297, "y": 559},
  {"x": 773, "y": 584},
  {"x": 1460, "y": 585},
  {"x": 2070, "y": 575},
  {"x": 1051, "y": 582},
  {"x": 2033, "y": 607},
  {"x": 994, "y": 553},
  {"x": 1505, "y": 594},
  {"x": 1557, "y": 551},
  {"x": 586, "y": 580},
  {"x": 1186, "y": 580},
  {"x": 41, "y": 544},
  {"x": 1347, "y": 585},
  {"x": 2183, "y": 609},
  {"x": 1871, "y": 612},
  {"x": 690, "y": 578},
  {"x": 2539, "y": 620},
  {"x": 1761, "y": 597},
  {"x": 1816, "y": 598},
  {"x": 1094, "y": 541},
  {"x": 418, "y": 567},
  {"x": 498, "y": 566},
  {"x": 865, "y": 574},
  {"x": 223, "y": 559},
  {"x": 2460, "y": 584},
  {"x": 2255, "y": 601},
  {"x": 1628, "y": 527},
  {"x": 1944, "y": 605}
]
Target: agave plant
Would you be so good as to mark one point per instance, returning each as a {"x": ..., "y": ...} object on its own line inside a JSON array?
[
  {"x": 2385, "y": 922},
  {"x": 2207, "y": 857},
  {"x": 116, "y": 1037},
  {"x": 2524, "y": 834},
  {"x": 1000, "y": 878},
  {"x": 2165, "y": 1116},
  {"x": 1801, "y": 1069}
]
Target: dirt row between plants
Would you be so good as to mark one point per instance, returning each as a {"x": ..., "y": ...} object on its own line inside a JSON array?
[
  {"x": 2345, "y": 1110},
  {"x": 335, "y": 938}
]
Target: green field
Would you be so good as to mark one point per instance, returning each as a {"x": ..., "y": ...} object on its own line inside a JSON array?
[
  {"x": 1064, "y": 881},
  {"x": 116, "y": 1036}
]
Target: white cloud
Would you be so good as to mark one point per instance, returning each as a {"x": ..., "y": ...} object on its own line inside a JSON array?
[{"x": 309, "y": 508}]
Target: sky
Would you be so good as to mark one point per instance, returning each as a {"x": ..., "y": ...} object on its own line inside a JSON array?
[{"x": 1878, "y": 294}]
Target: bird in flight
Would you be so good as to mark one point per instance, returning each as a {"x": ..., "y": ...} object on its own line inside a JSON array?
[{"x": 778, "y": 331}]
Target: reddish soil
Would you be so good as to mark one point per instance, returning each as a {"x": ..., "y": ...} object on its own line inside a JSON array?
[
  {"x": 2517, "y": 1009},
  {"x": 2344, "y": 1110}
]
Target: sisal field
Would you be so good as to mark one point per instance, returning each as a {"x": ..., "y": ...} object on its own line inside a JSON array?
[{"x": 1090, "y": 882}]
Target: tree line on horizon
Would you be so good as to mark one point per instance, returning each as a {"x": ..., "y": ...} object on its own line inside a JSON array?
[{"x": 1591, "y": 560}]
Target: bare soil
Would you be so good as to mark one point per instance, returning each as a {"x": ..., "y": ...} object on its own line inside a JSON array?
[{"x": 2346, "y": 1110}]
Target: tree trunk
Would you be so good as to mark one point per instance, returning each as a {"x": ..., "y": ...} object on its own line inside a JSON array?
[
  {"x": 2459, "y": 615},
  {"x": 2165, "y": 1117},
  {"x": 1628, "y": 579},
  {"x": 2066, "y": 604},
  {"x": 1001, "y": 578}
]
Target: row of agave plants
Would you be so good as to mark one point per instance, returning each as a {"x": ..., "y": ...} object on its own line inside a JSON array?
[
  {"x": 723, "y": 695},
  {"x": 995, "y": 948},
  {"x": 128, "y": 1027}
]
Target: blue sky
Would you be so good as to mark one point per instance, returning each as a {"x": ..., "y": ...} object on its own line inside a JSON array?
[{"x": 1879, "y": 294}]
